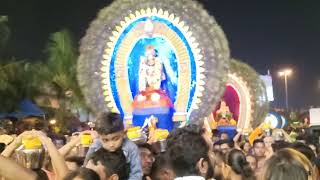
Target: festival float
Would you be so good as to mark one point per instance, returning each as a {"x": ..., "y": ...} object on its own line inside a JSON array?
[
  {"x": 244, "y": 104},
  {"x": 155, "y": 62}
]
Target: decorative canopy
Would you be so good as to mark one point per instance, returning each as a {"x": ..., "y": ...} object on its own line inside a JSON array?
[
  {"x": 189, "y": 42},
  {"x": 252, "y": 92}
]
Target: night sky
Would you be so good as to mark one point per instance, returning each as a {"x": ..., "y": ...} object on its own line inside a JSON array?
[{"x": 268, "y": 35}]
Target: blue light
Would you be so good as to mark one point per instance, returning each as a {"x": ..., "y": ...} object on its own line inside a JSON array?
[
  {"x": 155, "y": 41},
  {"x": 165, "y": 53}
]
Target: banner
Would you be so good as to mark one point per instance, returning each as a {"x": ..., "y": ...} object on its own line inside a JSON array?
[
  {"x": 314, "y": 116},
  {"x": 267, "y": 79}
]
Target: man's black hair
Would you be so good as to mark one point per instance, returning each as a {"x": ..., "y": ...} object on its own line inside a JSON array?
[
  {"x": 146, "y": 146},
  {"x": 300, "y": 138},
  {"x": 177, "y": 132},
  {"x": 186, "y": 147},
  {"x": 2, "y": 147},
  {"x": 161, "y": 162},
  {"x": 312, "y": 139},
  {"x": 236, "y": 159},
  {"x": 108, "y": 123},
  {"x": 256, "y": 141},
  {"x": 230, "y": 143},
  {"x": 84, "y": 173},
  {"x": 114, "y": 162},
  {"x": 75, "y": 159},
  {"x": 278, "y": 145}
]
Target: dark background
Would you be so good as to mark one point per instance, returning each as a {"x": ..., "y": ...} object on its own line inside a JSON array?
[{"x": 268, "y": 35}]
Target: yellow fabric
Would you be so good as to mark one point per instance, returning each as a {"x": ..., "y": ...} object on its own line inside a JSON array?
[
  {"x": 134, "y": 132},
  {"x": 233, "y": 122},
  {"x": 154, "y": 134},
  {"x": 133, "y": 129},
  {"x": 254, "y": 134},
  {"x": 86, "y": 139},
  {"x": 161, "y": 134},
  {"x": 31, "y": 142}
]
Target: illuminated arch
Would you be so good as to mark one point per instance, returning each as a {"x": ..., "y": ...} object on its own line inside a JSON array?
[
  {"x": 198, "y": 41},
  {"x": 252, "y": 94}
]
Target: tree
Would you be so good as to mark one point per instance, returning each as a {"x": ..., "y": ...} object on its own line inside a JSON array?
[
  {"x": 54, "y": 78},
  {"x": 4, "y": 32},
  {"x": 60, "y": 69},
  {"x": 58, "y": 75},
  {"x": 16, "y": 76},
  {"x": 16, "y": 84}
]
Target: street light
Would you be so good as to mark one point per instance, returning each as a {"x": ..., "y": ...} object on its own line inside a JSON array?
[{"x": 286, "y": 73}]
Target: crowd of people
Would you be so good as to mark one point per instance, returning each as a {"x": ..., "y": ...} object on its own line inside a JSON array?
[{"x": 192, "y": 153}]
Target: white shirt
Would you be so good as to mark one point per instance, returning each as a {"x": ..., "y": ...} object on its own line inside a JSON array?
[{"x": 190, "y": 178}]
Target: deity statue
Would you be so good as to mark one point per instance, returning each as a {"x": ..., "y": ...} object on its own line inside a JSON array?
[
  {"x": 224, "y": 109},
  {"x": 152, "y": 105},
  {"x": 151, "y": 70},
  {"x": 224, "y": 115}
]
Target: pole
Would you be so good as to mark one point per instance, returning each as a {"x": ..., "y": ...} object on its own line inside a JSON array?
[{"x": 286, "y": 86}]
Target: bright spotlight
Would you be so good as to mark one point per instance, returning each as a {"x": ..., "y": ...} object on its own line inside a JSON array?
[{"x": 53, "y": 121}]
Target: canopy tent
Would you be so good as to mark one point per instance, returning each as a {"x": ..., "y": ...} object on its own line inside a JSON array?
[{"x": 26, "y": 108}]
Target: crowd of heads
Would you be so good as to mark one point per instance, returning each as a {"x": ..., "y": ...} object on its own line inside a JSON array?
[{"x": 190, "y": 154}]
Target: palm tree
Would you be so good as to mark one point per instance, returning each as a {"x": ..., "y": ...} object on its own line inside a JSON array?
[
  {"x": 16, "y": 76},
  {"x": 58, "y": 75},
  {"x": 61, "y": 67},
  {"x": 4, "y": 32},
  {"x": 16, "y": 84},
  {"x": 54, "y": 78}
]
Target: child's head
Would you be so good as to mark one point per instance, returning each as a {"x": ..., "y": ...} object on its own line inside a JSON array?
[
  {"x": 111, "y": 130},
  {"x": 109, "y": 165}
]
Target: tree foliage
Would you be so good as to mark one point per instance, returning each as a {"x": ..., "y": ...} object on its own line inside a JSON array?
[
  {"x": 4, "y": 32},
  {"x": 16, "y": 76},
  {"x": 60, "y": 68},
  {"x": 54, "y": 77},
  {"x": 16, "y": 83}
]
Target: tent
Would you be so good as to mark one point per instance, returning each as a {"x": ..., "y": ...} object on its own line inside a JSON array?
[{"x": 26, "y": 108}]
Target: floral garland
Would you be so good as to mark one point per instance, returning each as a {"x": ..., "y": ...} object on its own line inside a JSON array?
[{"x": 257, "y": 88}]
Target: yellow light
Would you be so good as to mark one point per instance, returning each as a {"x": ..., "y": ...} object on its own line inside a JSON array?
[
  {"x": 53, "y": 121},
  {"x": 286, "y": 72},
  {"x": 281, "y": 73}
]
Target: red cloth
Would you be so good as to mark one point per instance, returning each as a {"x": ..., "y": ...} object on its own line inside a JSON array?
[{"x": 164, "y": 100}]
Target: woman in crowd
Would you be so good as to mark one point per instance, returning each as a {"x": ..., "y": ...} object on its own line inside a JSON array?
[
  {"x": 287, "y": 164},
  {"x": 240, "y": 168}
]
